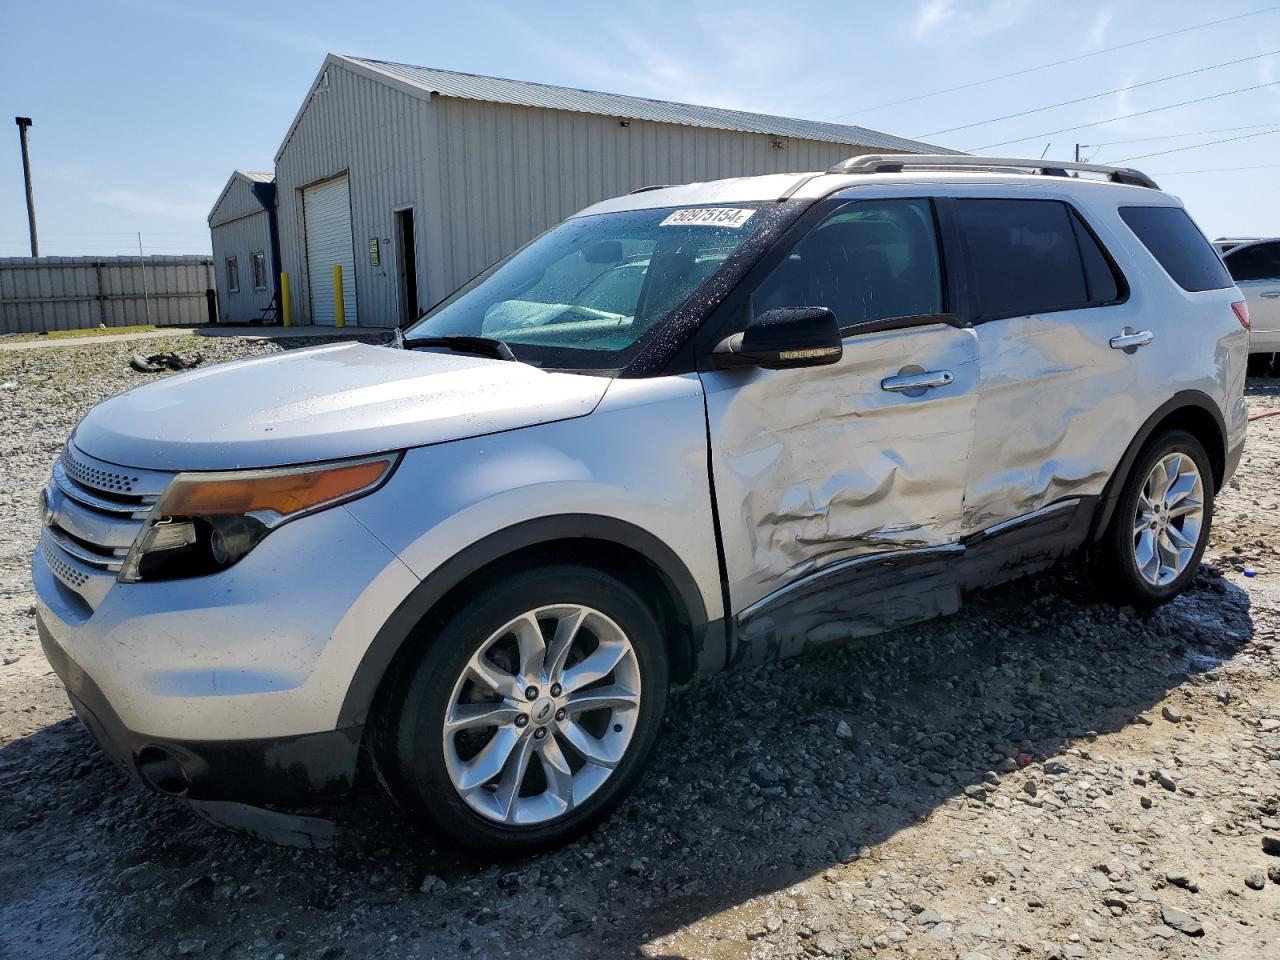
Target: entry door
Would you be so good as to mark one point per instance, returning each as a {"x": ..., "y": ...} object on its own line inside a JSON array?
[
  {"x": 1070, "y": 363},
  {"x": 817, "y": 466},
  {"x": 1256, "y": 270},
  {"x": 407, "y": 266},
  {"x": 326, "y": 210}
]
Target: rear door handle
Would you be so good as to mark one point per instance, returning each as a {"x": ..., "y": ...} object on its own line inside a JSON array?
[
  {"x": 917, "y": 381},
  {"x": 1274, "y": 294},
  {"x": 1130, "y": 341}
]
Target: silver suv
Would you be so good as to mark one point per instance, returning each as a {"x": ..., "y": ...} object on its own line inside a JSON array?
[{"x": 690, "y": 428}]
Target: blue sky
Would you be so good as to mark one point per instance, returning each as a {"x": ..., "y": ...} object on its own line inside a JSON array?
[{"x": 142, "y": 108}]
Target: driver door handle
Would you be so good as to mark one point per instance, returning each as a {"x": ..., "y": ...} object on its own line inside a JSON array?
[
  {"x": 917, "y": 381},
  {"x": 1128, "y": 341}
]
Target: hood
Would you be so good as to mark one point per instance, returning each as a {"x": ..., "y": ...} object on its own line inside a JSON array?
[{"x": 325, "y": 403}]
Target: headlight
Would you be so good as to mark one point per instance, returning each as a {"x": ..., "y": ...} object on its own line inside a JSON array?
[{"x": 205, "y": 522}]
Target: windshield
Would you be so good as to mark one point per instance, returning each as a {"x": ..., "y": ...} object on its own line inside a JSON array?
[{"x": 584, "y": 294}]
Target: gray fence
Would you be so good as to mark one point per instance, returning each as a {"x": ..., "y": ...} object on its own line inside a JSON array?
[{"x": 74, "y": 293}]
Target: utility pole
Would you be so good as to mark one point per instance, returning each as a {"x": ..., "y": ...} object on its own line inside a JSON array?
[
  {"x": 1077, "y": 153},
  {"x": 146, "y": 296},
  {"x": 23, "y": 123}
]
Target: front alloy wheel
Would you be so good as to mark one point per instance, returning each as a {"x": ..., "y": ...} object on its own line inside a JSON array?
[
  {"x": 529, "y": 712},
  {"x": 542, "y": 714}
]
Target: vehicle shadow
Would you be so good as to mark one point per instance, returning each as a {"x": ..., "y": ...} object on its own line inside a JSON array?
[{"x": 763, "y": 779}]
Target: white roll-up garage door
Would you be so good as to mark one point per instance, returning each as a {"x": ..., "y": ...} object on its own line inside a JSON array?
[{"x": 326, "y": 210}]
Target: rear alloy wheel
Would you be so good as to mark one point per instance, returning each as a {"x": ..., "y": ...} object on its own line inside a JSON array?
[
  {"x": 1160, "y": 528},
  {"x": 1168, "y": 518},
  {"x": 531, "y": 713}
]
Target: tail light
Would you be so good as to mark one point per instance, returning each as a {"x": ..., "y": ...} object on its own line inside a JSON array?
[{"x": 1242, "y": 313}]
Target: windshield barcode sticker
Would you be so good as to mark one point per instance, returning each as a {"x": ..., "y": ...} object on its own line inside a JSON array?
[{"x": 732, "y": 217}]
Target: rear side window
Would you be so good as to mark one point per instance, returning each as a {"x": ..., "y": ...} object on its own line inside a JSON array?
[
  {"x": 1032, "y": 256},
  {"x": 1178, "y": 245},
  {"x": 1258, "y": 262}
]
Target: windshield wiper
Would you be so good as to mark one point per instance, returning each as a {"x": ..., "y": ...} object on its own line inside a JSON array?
[{"x": 485, "y": 346}]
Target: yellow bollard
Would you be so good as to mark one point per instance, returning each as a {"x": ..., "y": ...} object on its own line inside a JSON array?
[
  {"x": 286, "y": 302},
  {"x": 339, "y": 305}
]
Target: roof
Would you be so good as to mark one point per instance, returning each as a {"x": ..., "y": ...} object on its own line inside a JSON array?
[
  {"x": 813, "y": 186},
  {"x": 522, "y": 93},
  {"x": 250, "y": 176}
]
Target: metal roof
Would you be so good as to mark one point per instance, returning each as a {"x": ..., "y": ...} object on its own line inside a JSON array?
[
  {"x": 258, "y": 176},
  {"x": 448, "y": 83}
]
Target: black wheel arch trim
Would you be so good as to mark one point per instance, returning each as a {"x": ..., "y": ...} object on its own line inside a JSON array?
[
  {"x": 1179, "y": 401},
  {"x": 389, "y": 639}
]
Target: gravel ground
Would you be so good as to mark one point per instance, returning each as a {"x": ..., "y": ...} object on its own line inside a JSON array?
[{"x": 1040, "y": 776}]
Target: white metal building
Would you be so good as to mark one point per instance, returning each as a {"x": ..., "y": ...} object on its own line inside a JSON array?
[
  {"x": 414, "y": 179},
  {"x": 244, "y": 251}
]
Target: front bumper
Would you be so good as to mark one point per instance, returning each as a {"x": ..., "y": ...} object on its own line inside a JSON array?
[{"x": 287, "y": 771}]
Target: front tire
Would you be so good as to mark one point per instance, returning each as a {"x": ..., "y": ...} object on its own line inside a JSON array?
[
  {"x": 531, "y": 713},
  {"x": 1157, "y": 536}
]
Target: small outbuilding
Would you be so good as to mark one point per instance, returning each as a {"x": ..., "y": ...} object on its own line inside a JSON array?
[
  {"x": 412, "y": 180},
  {"x": 245, "y": 251}
]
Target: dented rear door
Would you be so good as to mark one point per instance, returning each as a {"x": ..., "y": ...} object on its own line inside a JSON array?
[
  {"x": 817, "y": 466},
  {"x": 1072, "y": 358}
]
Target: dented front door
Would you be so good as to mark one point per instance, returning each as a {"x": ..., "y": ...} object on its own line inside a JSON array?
[{"x": 815, "y": 466}]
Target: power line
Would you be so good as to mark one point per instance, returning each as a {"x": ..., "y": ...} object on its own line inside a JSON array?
[
  {"x": 1107, "y": 93},
  {"x": 1197, "y": 146},
  {"x": 1056, "y": 63},
  {"x": 1174, "y": 136},
  {"x": 1128, "y": 116}
]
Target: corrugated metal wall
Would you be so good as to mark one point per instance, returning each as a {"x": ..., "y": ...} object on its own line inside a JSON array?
[
  {"x": 483, "y": 178},
  {"x": 240, "y": 238},
  {"x": 236, "y": 201},
  {"x": 72, "y": 293}
]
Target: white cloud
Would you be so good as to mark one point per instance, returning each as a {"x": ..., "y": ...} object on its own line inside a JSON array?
[
  {"x": 947, "y": 18},
  {"x": 1101, "y": 27},
  {"x": 170, "y": 204}
]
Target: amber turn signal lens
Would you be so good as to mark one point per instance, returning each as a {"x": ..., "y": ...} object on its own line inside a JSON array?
[{"x": 283, "y": 492}]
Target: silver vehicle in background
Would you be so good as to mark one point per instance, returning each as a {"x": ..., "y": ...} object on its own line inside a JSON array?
[
  {"x": 1254, "y": 265},
  {"x": 689, "y": 428}
]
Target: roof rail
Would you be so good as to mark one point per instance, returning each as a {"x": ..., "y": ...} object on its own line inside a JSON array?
[
  {"x": 897, "y": 162},
  {"x": 652, "y": 186}
]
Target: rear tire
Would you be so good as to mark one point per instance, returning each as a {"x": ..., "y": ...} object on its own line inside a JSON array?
[
  {"x": 513, "y": 674},
  {"x": 1158, "y": 533}
]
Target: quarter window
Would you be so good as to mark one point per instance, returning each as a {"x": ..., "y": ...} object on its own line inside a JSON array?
[
  {"x": 1032, "y": 256},
  {"x": 1179, "y": 246},
  {"x": 259, "y": 270},
  {"x": 1261, "y": 261},
  {"x": 233, "y": 275},
  {"x": 870, "y": 260}
]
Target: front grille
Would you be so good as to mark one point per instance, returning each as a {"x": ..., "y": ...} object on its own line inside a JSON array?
[
  {"x": 93, "y": 512},
  {"x": 99, "y": 478},
  {"x": 61, "y": 569}
]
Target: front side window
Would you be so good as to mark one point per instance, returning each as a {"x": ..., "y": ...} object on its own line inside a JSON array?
[
  {"x": 585, "y": 293},
  {"x": 259, "y": 270},
  {"x": 870, "y": 260},
  {"x": 1024, "y": 257},
  {"x": 233, "y": 275},
  {"x": 1261, "y": 261},
  {"x": 1179, "y": 246}
]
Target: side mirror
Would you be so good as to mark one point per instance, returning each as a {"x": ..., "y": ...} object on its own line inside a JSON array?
[{"x": 783, "y": 338}]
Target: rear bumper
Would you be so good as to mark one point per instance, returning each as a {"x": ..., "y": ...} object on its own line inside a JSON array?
[{"x": 288, "y": 771}]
